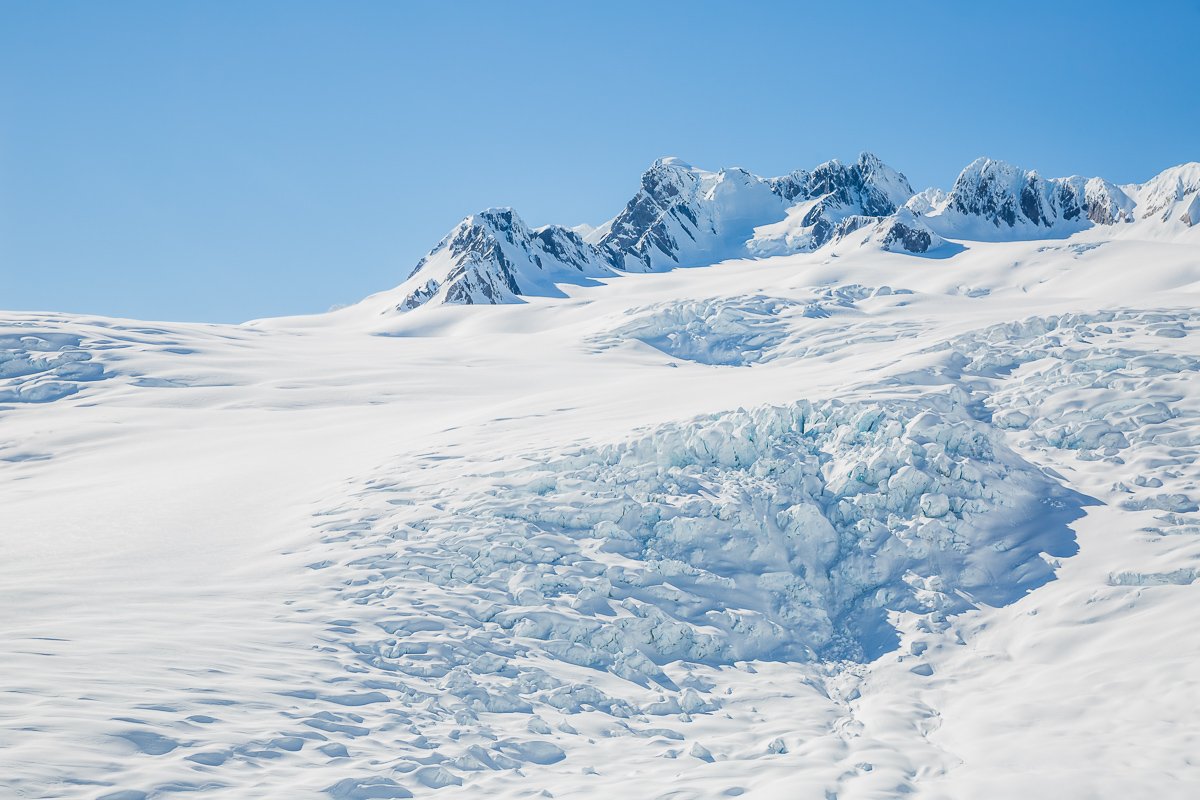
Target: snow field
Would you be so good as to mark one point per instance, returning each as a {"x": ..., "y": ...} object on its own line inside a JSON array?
[{"x": 761, "y": 530}]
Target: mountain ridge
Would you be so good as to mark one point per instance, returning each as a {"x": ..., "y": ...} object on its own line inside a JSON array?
[{"x": 684, "y": 216}]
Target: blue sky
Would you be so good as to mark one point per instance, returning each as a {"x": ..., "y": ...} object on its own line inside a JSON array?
[{"x": 222, "y": 161}]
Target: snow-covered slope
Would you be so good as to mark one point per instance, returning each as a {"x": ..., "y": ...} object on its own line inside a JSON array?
[{"x": 836, "y": 523}]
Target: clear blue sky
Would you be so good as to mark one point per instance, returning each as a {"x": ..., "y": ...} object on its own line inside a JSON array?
[{"x": 228, "y": 160}]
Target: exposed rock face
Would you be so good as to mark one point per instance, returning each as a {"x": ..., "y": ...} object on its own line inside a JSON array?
[
  {"x": 829, "y": 203},
  {"x": 999, "y": 193},
  {"x": 1095, "y": 199},
  {"x": 1191, "y": 214},
  {"x": 680, "y": 216},
  {"x": 905, "y": 231},
  {"x": 652, "y": 221},
  {"x": 1173, "y": 194},
  {"x": 493, "y": 257},
  {"x": 868, "y": 185},
  {"x": 1015, "y": 202},
  {"x": 683, "y": 215}
]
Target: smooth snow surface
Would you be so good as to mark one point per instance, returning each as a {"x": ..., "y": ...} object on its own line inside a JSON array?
[{"x": 846, "y": 524}]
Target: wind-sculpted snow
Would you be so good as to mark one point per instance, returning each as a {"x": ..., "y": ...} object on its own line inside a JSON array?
[
  {"x": 40, "y": 366},
  {"x": 48, "y": 358}
]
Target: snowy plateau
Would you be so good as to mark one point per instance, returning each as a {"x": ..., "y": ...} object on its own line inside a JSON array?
[{"x": 812, "y": 486}]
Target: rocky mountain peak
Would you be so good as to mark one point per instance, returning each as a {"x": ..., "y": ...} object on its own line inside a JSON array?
[
  {"x": 995, "y": 199},
  {"x": 685, "y": 216}
]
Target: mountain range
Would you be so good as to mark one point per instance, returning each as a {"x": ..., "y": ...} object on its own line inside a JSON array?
[{"x": 685, "y": 216}]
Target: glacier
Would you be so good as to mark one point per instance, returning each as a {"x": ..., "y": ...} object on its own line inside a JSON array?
[{"x": 811, "y": 486}]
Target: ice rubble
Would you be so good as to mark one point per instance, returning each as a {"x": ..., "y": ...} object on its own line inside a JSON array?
[
  {"x": 733, "y": 331},
  {"x": 570, "y": 583},
  {"x": 38, "y": 367},
  {"x": 1128, "y": 390},
  {"x": 773, "y": 534},
  {"x": 1078, "y": 382}
]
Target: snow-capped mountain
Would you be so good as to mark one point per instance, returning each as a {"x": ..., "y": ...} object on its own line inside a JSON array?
[
  {"x": 494, "y": 257},
  {"x": 830, "y": 202},
  {"x": 680, "y": 216},
  {"x": 1172, "y": 195},
  {"x": 685, "y": 216},
  {"x": 906, "y": 231},
  {"x": 996, "y": 200}
]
